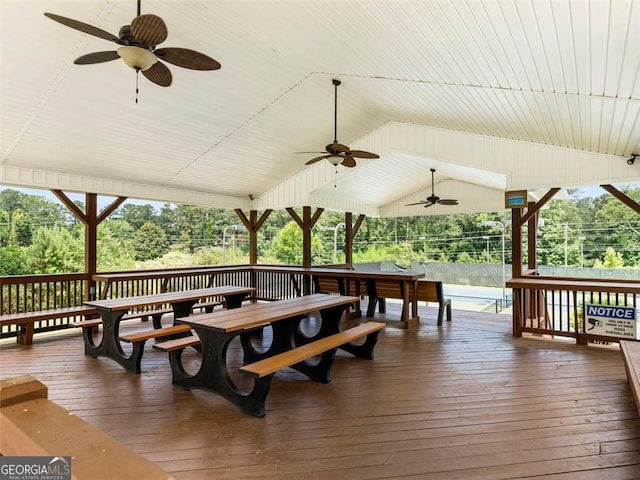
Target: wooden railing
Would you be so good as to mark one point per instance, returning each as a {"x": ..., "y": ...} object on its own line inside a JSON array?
[
  {"x": 43, "y": 292},
  {"x": 557, "y": 306},
  {"x": 27, "y": 293},
  {"x": 542, "y": 305}
]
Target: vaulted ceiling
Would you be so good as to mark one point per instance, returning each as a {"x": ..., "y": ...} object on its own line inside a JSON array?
[{"x": 494, "y": 95}]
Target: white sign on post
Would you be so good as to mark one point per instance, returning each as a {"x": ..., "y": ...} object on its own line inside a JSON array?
[{"x": 610, "y": 320}]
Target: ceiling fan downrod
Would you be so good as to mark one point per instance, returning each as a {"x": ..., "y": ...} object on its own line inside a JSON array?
[{"x": 335, "y": 110}]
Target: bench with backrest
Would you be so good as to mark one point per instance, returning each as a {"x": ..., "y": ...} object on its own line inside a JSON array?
[
  {"x": 631, "y": 356},
  {"x": 428, "y": 291},
  {"x": 25, "y": 320},
  {"x": 33, "y": 426},
  {"x": 340, "y": 286}
]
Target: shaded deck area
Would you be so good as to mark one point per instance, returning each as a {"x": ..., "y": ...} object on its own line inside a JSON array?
[{"x": 463, "y": 401}]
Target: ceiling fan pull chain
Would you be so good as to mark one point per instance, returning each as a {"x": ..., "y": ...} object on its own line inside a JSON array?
[{"x": 137, "y": 72}]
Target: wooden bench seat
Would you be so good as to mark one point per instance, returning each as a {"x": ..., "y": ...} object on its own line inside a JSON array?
[
  {"x": 31, "y": 425},
  {"x": 177, "y": 343},
  {"x": 271, "y": 365},
  {"x": 25, "y": 320},
  {"x": 155, "y": 314},
  {"x": 138, "y": 340},
  {"x": 141, "y": 337},
  {"x": 263, "y": 370},
  {"x": 631, "y": 356}
]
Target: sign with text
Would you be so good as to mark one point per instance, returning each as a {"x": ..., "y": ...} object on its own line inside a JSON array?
[
  {"x": 610, "y": 320},
  {"x": 35, "y": 468}
]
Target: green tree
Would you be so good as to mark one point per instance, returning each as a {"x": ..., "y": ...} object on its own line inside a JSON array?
[
  {"x": 619, "y": 226},
  {"x": 13, "y": 261},
  {"x": 114, "y": 246},
  {"x": 20, "y": 232},
  {"x": 561, "y": 231},
  {"x": 55, "y": 250},
  {"x": 4, "y": 228},
  {"x": 149, "y": 242},
  {"x": 401, "y": 253},
  {"x": 136, "y": 215},
  {"x": 287, "y": 245},
  {"x": 612, "y": 259}
]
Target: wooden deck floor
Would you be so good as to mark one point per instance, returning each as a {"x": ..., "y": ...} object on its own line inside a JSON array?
[{"x": 463, "y": 401}]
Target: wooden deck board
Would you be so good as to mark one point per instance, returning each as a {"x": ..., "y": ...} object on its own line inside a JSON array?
[{"x": 463, "y": 401}]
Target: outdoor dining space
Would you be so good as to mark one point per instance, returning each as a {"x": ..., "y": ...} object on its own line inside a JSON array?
[{"x": 468, "y": 396}]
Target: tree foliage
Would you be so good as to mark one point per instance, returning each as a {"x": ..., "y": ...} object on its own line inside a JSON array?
[
  {"x": 38, "y": 235},
  {"x": 149, "y": 242}
]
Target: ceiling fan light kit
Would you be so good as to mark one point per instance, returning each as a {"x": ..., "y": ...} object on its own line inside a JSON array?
[{"x": 137, "y": 58}]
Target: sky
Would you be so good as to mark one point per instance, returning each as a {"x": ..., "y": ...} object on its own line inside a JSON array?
[{"x": 103, "y": 200}]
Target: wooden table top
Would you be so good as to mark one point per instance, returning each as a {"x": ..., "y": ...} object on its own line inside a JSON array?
[
  {"x": 126, "y": 303},
  {"x": 145, "y": 274},
  {"x": 257, "y": 314},
  {"x": 340, "y": 272}
]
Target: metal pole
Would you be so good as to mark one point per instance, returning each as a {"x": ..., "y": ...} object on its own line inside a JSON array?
[
  {"x": 335, "y": 240},
  {"x": 224, "y": 242},
  {"x": 504, "y": 274}
]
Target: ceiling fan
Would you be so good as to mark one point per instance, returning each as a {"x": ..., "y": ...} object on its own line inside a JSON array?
[
  {"x": 138, "y": 48},
  {"x": 338, "y": 153},
  {"x": 432, "y": 200}
]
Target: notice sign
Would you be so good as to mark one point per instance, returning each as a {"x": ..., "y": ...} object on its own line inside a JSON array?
[{"x": 610, "y": 320}]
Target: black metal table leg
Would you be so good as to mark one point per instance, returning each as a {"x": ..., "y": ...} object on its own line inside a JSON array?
[
  {"x": 110, "y": 346},
  {"x": 235, "y": 300},
  {"x": 214, "y": 375}
]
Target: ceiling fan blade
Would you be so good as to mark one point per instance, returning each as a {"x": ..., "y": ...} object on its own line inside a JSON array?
[
  {"x": 429, "y": 204},
  {"x": 96, "y": 57},
  {"x": 149, "y": 29},
  {"x": 158, "y": 74},
  {"x": 85, "y": 28},
  {"x": 363, "y": 154},
  {"x": 349, "y": 162},
  {"x": 416, "y": 203},
  {"x": 447, "y": 201},
  {"x": 297, "y": 153},
  {"x": 185, "y": 58},
  {"x": 317, "y": 159}
]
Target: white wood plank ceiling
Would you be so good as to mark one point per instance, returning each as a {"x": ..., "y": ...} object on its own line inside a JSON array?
[{"x": 494, "y": 95}]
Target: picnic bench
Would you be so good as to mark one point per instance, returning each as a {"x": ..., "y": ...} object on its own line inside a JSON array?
[
  {"x": 288, "y": 348},
  {"x": 33, "y": 426},
  {"x": 26, "y": 320},
  {"x": 113, "y": 310},
  {"x": 426, "y": 291}
]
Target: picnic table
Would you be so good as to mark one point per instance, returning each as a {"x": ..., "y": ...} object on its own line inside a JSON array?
[
  {"x": 112, "y": 310},
  {"x": 348, "y": 281},
  {"x": 289, "y": 347}
]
